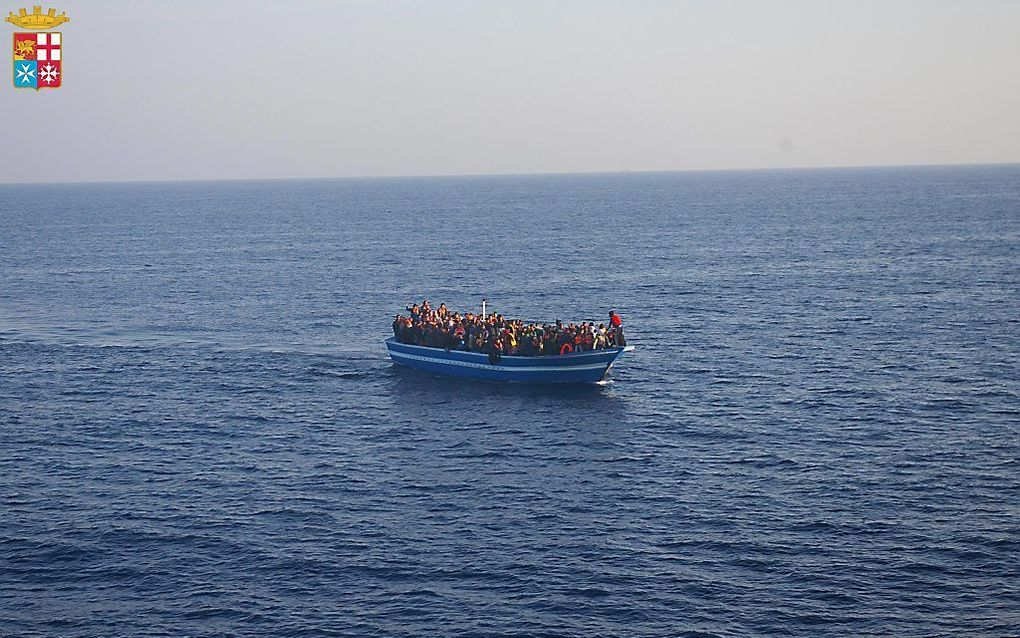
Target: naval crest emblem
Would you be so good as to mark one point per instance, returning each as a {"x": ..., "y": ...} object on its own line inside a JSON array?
[{"x": 38, "y": 55}]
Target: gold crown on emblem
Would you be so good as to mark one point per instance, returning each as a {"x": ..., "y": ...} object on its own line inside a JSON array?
[{"x": 36, "y": 19}]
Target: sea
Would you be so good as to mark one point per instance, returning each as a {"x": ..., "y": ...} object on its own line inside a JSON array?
[{"x": 817, "y": 434}]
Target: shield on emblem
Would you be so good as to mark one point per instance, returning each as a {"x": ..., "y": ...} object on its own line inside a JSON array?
[{"x": 38, "y": 60}]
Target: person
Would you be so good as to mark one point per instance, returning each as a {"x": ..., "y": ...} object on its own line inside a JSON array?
[
  {"x": 616, "y": 329},
  {"x": 614, "y": 319},
  {"x": 443, "y": 328}
]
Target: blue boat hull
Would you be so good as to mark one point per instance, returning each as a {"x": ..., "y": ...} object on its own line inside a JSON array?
[{"x": 580, "y": 367}]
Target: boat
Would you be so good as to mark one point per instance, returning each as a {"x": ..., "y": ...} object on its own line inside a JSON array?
[{"x": 590, "y": 366}]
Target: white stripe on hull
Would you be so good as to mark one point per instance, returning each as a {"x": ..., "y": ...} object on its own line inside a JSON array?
[{"x": 484, "y": 366}]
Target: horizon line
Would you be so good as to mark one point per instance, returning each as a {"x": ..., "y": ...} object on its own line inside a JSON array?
[{"x": 186, "y": 180}]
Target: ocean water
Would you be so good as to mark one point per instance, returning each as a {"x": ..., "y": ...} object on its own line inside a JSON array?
[{"x": 817, "y": 435}]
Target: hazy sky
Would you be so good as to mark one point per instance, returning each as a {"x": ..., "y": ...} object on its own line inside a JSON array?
[{"x": 303, "y": 88}]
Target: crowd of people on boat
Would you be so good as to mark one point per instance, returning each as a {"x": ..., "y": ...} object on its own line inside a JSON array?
[{"x": 496, "y": 335}]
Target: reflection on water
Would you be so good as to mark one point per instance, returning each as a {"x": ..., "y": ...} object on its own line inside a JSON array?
[{"x": 511, "y": 402}]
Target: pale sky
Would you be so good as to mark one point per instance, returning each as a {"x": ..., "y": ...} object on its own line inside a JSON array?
[{"x": 223, "y": 89}]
